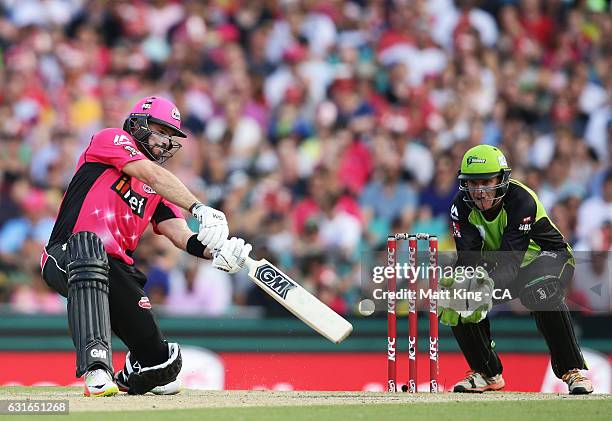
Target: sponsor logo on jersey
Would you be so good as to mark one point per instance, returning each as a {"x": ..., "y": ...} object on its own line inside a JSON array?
[
  {"x": 121, "y": 140},
  {"x": 456, "y": 230},
  {"x": 549, "y": 254},
  {"x": 131, "y": 150},
  {"x": 135, "y": 201},
  {"x": 525, "y": 224},
  {"x": 144, "y": 303},
  {"x": 148, "y": 189},
  {"x": 525, "y": 227},
  {"x": 275, "y": 280},
  {"x": 475, "y": 160},
  {"x": 454, "y": 213}
]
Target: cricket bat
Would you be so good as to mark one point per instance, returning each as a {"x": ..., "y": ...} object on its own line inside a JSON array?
[{"x": 298, "y": 301}]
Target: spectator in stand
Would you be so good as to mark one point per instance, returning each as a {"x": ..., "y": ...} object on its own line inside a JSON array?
[
  {"x": 36, "y": 223},
  {"x": 595, "y": 211},
  {"x": 592, "y": 285},
  {"x": 199, "y": 290},
  {"x": 387, "y": 197},
  {"x": 439, "y": 194}
]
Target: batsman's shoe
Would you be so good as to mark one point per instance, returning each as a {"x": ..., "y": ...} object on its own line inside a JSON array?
[
  {"x": 476, "y": 382},
  {"x": 577, "y": 383},
  {"x": 121, "y": 380},
  {"x": 99, "y": 383},
  {"x": 171, "y": 388}
]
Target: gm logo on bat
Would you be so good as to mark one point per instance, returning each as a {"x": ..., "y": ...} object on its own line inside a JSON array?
[{"x": 275, "y": 280}]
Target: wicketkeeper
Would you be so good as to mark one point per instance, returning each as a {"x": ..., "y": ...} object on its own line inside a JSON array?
[
  {"x": 501, "y": 228},
  {"x": 118, "y": 188}
]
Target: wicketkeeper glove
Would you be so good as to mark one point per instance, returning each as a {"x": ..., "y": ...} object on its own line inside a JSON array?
[
  {"x": 447, "y": 303},
  {"x": 465, "y": 300}
]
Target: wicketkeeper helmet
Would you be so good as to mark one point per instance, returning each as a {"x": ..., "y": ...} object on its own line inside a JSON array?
[{"x": 484, "y": 162}]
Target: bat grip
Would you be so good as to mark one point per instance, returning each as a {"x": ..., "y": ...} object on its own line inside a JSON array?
[{"x": 249, "y": 262}]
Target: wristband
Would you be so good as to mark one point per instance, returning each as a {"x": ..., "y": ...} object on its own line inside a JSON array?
[
  {"x": 194, "y": 247},
  {"x": 193, "y": 206}
]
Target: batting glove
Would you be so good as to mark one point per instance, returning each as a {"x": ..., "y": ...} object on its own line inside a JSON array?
[
  {"x": 232, "y": 255},
  {"x": 213, "y": 226}
]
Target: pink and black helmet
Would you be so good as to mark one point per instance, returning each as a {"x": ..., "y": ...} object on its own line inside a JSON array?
[{"x": 154, "y": 109}]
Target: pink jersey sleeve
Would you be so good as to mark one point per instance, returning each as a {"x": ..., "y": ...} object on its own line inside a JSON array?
[
  {"x": 113, "y": 147},
  {"x": 165, "y": 210}
]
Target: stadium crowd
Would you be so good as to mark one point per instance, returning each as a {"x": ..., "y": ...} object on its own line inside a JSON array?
[{"x": 317, "y": 126}]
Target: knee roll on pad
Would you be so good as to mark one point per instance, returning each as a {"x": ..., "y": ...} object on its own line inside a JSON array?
[
  {"x": 142, "y": 379},
  {"x": 88, "y": 309},
  {"x": 87, "y": 259},
  {"x": 543, "y": 294}
]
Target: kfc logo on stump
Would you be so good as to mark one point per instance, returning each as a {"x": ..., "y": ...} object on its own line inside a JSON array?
[{"x": 144, "y": 303}]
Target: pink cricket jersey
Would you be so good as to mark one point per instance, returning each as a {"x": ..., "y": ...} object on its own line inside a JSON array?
[{"x": 103, "y": 199}]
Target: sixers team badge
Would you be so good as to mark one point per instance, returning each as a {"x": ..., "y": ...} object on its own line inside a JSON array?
[
  {"x": 144, "y": 303},
  {"x": 148, "y": 189}
]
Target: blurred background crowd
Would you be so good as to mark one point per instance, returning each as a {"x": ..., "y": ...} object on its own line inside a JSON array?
[{"x": 317, "y": 126}]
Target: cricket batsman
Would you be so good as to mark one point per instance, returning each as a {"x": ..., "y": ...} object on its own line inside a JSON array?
[
  {"x": 501, "y": 228},
  {"x": 118, "y": 188}
]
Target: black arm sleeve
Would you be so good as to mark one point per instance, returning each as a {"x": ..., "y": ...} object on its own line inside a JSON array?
[
  {"x": 468, "y": 241},
  {"x": 521, "y": 210},
  {"x": 162, "y": 212}
]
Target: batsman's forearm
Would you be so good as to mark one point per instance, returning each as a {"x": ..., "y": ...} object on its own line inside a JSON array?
[
  {"x": 171, "y": 188},
  {"x": 177, "y": 231},
  {"x": 166, "y": 184}
]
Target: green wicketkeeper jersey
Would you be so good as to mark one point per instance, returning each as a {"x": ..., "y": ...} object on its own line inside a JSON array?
[{"x": 521, "y": 227}]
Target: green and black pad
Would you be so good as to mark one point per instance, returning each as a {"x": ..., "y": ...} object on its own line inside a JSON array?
[
  {"x": 558, "y": 331},
  {"x": 475, "y": 342}
]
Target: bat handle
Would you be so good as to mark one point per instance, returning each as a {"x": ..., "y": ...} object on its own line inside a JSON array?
[{"x": 249, "y": 262}]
